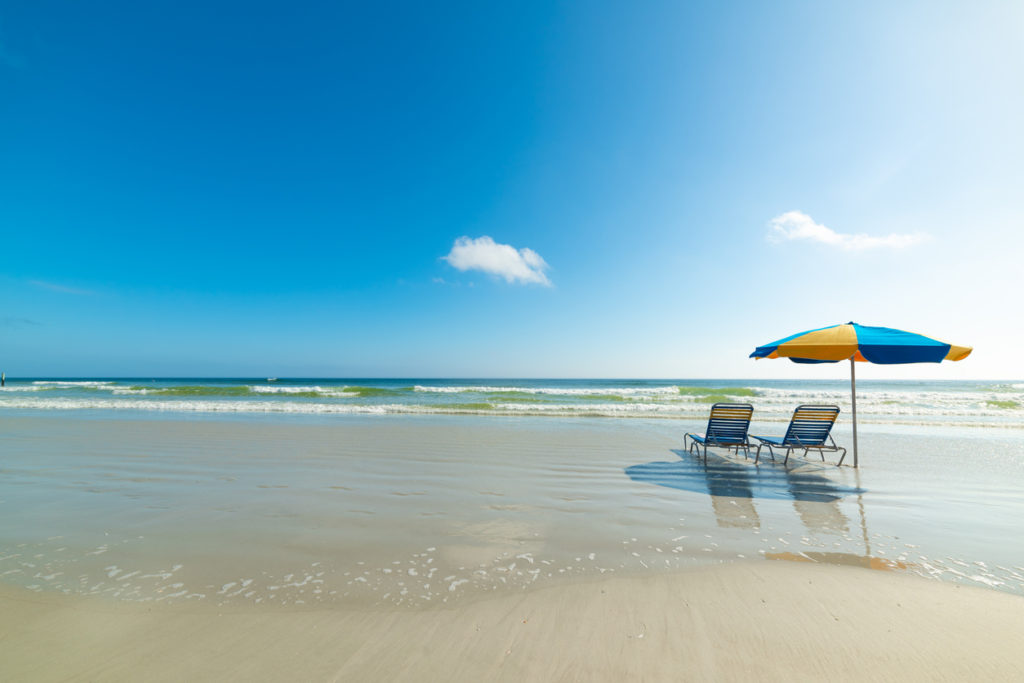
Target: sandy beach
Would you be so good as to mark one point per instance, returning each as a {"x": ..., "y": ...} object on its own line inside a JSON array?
[
  {"x": 773, "y": 621},
  {"x": 472, "y": 548}
]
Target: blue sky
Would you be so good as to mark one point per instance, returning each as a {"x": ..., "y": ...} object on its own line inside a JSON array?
[{"x": 252, "y": 189}]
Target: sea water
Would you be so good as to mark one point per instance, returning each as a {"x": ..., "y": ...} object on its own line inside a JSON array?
[
  {"x": 966, "y": 403},
  {"x": 411, "y": 493}
]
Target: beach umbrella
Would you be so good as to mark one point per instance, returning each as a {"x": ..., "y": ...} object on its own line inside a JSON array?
[{"x": 853, "y": 342}]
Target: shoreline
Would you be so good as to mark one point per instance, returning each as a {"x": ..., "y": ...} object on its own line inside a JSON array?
[
  {"x": 764, "y": 620},
  {"x": 257, "y": 412}
]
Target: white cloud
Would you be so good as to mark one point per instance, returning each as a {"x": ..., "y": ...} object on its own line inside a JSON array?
[
  {"x": 797, "y": 225},
  {"x": 504, "y": 260}
]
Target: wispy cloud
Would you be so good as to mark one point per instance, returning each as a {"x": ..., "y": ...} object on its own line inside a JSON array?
[
  {"x": 797, "y": 225},
  {"x": 514, "y": 265},
  {"x": 63, "y": 289},
  {"x": 17, "y": 322}
]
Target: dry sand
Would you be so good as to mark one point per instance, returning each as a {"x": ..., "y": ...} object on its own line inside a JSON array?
[{"x": 755, "y": 621}]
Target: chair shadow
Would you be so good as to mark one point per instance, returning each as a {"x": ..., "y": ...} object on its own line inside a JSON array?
[{"x": 723, "y": 477}]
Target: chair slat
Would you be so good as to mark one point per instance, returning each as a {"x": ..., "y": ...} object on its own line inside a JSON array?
[
  {"x": 728, "y": 423},
  {"x": 811, "y": 425}
]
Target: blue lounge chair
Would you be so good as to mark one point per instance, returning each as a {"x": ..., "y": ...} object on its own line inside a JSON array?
[
  {"x": 727, "y": 428},
  {"x": 809, "y": 429}
]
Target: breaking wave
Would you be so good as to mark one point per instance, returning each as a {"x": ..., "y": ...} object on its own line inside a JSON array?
[
  {"x": 675, "y": 410},
  {"x": 997, "y": 404},
  {"x": 228, "y": 390}
]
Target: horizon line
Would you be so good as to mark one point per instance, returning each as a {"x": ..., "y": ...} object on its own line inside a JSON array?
[{"x": 484, "y": 377}]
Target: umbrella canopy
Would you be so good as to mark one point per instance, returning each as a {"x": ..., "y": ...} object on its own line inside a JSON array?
[
  {"x": 853, "y": 342},
  {"x": 882, "y": 345}
]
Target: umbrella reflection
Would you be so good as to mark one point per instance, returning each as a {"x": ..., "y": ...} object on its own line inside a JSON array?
[{"x": 845, "y": 559}]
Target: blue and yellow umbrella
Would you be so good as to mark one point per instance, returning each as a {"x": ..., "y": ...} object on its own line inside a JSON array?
[{"x": 853, "y": 342}]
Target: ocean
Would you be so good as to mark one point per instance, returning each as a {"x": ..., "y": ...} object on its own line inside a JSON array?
[{"x": 986, "y": 404}]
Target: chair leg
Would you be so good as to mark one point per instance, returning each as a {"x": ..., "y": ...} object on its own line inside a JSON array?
[{"x": 771, "y": 451}]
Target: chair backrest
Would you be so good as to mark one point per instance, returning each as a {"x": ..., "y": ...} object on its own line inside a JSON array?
[
  {"x": 810, "y": 425},
  {"x": 729, "y": 423}
]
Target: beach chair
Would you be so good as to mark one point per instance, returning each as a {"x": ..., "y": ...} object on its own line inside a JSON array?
[
  {"x": 727, "y": 428},
  {"x": 809, "y": 429}
]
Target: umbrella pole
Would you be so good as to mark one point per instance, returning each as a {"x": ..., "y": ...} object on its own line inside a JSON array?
[{"x": 853, "y": 396}]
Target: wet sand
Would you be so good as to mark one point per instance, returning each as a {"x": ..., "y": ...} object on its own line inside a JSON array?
[
  {"x": 468, "y": 548},
  {"x": 413, "y": 511},
  {"x": 769, "y": 621}
]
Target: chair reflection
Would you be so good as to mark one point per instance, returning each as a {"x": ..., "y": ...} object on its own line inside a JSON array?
[{"x": 733, "y": 486}]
